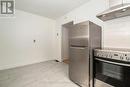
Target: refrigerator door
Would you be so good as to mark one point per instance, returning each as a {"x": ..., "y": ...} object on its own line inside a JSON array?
[{"x": 79, "y": 66}]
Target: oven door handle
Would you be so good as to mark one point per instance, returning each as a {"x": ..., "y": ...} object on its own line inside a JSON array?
[{"x": 116, "y": 63}]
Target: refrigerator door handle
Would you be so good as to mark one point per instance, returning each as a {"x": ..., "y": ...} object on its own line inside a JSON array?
[{"x": 81, "y": 48}]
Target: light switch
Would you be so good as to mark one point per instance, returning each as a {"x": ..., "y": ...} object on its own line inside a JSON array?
[
  {"x": 34, "y": 41},
  {"x": 57, "y": 34}
]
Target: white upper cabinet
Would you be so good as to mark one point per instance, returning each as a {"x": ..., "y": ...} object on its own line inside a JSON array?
[
  {"x": 117, "y": 2},
  {"x": 114, "y": 2},
  {"x": 126, "y": 1}
]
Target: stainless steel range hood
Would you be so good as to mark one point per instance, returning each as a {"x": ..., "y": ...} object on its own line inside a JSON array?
[{"x": 115, "y": 12}]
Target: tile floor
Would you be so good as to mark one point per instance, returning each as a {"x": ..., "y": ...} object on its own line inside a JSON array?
[{"x": 46, "y": 74}]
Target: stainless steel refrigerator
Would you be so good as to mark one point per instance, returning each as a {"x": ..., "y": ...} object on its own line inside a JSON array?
[{"x": 83, "y": 38}]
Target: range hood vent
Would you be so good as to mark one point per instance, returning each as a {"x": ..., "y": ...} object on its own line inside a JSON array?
[{"x": 117, "y": 11}]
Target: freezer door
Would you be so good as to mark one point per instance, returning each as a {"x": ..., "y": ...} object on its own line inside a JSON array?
[
  {"x": 79, "y": 30},
  {"x": 78, "y": 35},
  {"x": 79, "y": 66}
]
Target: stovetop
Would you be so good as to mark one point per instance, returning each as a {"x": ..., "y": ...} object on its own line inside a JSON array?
[
  {"x": 114, "y": 49},
  {"x": 113, "y": 53}
]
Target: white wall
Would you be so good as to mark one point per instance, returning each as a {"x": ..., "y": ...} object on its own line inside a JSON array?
[
  {"x": 116, "y": 33},
  {"x": 16, "y": 40}
]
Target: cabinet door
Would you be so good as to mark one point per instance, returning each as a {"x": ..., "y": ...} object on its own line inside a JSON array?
[
  {"x": 115, "y": 2},
  {"x": 126, "y": 1},
  {"x": 79, "y": 65}
]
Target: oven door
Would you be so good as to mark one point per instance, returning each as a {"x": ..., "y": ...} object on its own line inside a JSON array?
[{"x": 113, "y": 72}]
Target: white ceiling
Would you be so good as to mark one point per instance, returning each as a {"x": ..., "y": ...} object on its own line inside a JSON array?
[{"x": 49, "y": 8}]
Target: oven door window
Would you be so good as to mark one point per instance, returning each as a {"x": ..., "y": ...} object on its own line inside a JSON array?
[
  {"x": 115, "y": 75},
  {"x": 112, "y": 71}
]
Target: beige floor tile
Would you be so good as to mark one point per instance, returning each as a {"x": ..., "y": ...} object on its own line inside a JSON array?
[{"x": 46, "y": 74}]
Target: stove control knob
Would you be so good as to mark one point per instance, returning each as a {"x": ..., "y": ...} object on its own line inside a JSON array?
[
  {"x": 121, "y": 58},
  {"x": 127, "y": 58},
  {"x": 99, "y": 55},
  {"x": 110, "y": 56},
  {"x": 106, "y": 56}
]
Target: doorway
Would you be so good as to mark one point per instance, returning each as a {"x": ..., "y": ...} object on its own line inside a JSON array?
[{"x": 65, "y": 42}]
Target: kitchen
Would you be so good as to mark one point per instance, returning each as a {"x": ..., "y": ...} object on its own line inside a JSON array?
[{"x": 115, "y": 34}]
